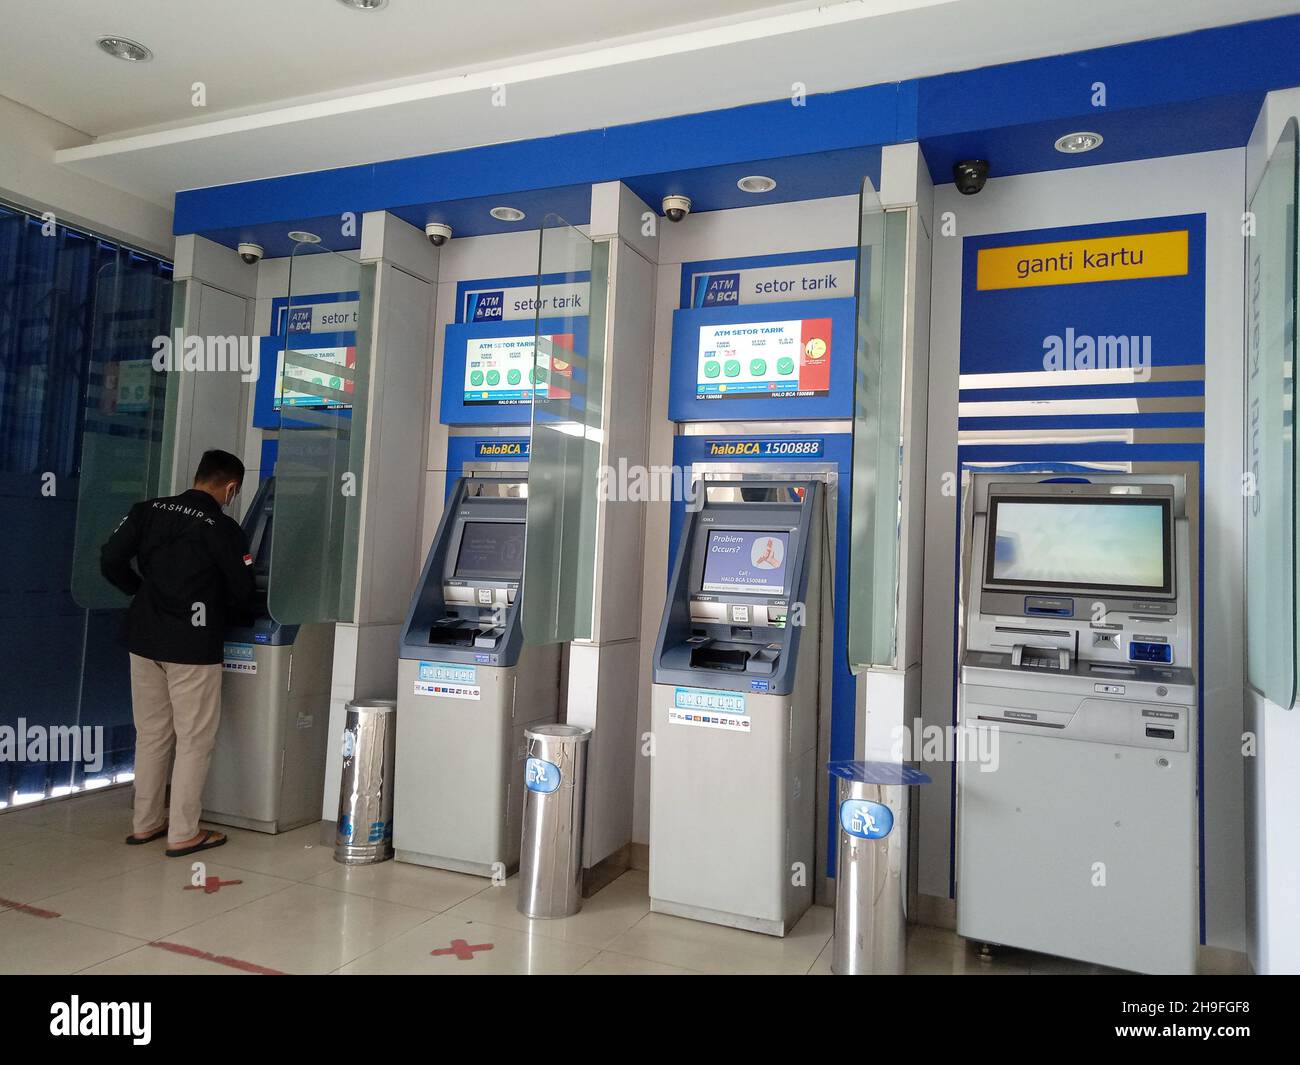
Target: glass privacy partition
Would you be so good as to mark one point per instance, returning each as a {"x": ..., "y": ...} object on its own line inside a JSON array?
[
  {"x": 877, "y": 433},
  {"x": 564, "y": 457},
  {"x": 125, "y": 446},
  {"x": 321, "y": 392},
  {"x": 1271, "y": 571}
]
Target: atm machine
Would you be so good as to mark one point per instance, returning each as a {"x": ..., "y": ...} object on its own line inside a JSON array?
[
  {"x": 468, "y": 687},
  {"x": 1078, "y": 836},
  {"x": 734, "y": 709},
  {"x": 268, "y": 764}
]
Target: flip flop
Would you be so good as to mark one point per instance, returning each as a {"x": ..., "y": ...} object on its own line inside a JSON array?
[
  {"x": 133, "y": 841},
  {"x": 210, "y": 839}
]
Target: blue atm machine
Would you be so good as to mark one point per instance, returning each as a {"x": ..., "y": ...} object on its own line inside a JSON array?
[
  {"x": 752, "y": 688},
  {"x": 268, "y": 764},
  {"x": 734, "y": 709},
  {"x": 467, "y": 684},
  {"x": 468, "y": 687}
]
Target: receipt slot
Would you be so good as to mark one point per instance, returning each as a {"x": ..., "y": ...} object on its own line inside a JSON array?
[
  {"x": 734, "y": 709},
  {"x": 1077, "y": 827},
  {"x": 468, "y": 688}
]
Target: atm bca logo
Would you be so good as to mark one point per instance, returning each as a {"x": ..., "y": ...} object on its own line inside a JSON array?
[
  {"x": 744, "y": 447},
  {"x": 720, "y": 290},
  {"x": 488, "y": 307},
  {"x": 489, "y": 450}
]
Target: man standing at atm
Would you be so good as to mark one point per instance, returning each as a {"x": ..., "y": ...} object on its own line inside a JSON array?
[{"x": 192, "y": 575}]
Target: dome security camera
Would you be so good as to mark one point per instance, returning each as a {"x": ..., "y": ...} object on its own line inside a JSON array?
[
  {"x": 438, "y": 233},
  {"x": 677, "y": 207},
  {"x": 250, "y": 253},
  {"x": 970, "y": 175}
]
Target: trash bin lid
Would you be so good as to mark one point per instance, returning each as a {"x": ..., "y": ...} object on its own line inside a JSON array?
[
  {"x": 372, "y": 706},
  {"x": 579, "y": 733},
  {"x": 877, "y": 773}
]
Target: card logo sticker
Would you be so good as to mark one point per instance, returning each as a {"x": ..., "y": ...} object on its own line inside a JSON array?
[
  {"x": 447, "y": 680},
  {"x": 238, "y": 658}
]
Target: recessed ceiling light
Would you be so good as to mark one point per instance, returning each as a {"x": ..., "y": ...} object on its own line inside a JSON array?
[
  {"x": 756, "y": 183},
  {"x": 301, "y": 236},
  {"x": 364, "y": 5},
  {"x": 1073, "y": 143},
  {"x": 507, "y": 214},
  {"x": 124, "y": 48}
]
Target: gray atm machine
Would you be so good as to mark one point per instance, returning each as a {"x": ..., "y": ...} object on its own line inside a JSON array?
[
  {"x": 734, "y": 709},
  {"x": 1078, "y": 836},
  {"x": 268, "y": 765},
  {"x": 468, "y": 686}
]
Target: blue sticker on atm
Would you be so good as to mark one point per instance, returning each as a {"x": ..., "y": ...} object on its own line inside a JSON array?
[
  {"x": 866, "y": 819},
  {"x": 448, "y": 673},
  {"x": 710, "y": 708},
  {"x": 541, "y": 775}
]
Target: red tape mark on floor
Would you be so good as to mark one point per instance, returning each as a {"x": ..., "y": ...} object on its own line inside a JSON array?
[
  {"x": 220, "y": 959},
  {"x": 22, "y": 907},
  {"x": 462, "y": 949},
  {"x": 211, "y": 885}
]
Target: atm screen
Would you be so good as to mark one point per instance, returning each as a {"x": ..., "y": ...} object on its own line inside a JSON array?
[
  {"x": 507, "y": 370},
  {"x": 1113, "y": 543},
  {"x": 756, "y": 359},
  {"x": 743, "y": 560},
  {"x": 491, "y": 550}
]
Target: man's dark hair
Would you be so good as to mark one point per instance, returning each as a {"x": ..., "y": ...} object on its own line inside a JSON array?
[{"x": 219, "y": 467}]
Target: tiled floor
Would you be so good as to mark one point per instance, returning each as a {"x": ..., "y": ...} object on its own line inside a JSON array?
[{"x": 74, "y": 898}]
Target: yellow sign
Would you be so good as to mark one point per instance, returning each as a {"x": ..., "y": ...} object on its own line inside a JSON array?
[{"x": 1075, "y": 262}]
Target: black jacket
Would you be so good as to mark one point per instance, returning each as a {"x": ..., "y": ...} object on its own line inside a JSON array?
[{"x": 195, "y": 576}]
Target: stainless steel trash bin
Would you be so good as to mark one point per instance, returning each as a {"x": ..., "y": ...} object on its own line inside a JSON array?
[
  {"x": 550, "y": 860},
  {"x": 871, "y": 866},
  {"x": 365, "y": 824}
]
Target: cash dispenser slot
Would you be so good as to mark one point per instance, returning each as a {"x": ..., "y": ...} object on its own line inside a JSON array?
[
  {"x": 1028, "y": 657},
  {"x": 711, "y": 656},
  {"x": 463, "y": 632}
]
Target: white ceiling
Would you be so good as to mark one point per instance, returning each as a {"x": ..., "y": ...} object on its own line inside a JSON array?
[
  {"x": 300, "y": 85},
  {"x": 251, "y": 53}
]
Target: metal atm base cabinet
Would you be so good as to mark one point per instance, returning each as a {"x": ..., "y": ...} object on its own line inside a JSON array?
[
  {"x": 268, "y": 765},
  {"x": 731, "y": 819},
  {"x": 1040, "y": 832},
  {"x": 460, "y": 765}
]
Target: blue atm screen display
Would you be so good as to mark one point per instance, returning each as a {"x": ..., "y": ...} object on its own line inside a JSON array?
[
  {"x": 1081, "y": 544},
  {"x": 743, "y": 560}
]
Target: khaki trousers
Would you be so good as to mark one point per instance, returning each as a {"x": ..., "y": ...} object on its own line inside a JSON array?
[{"x": 177, "y": 709}]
